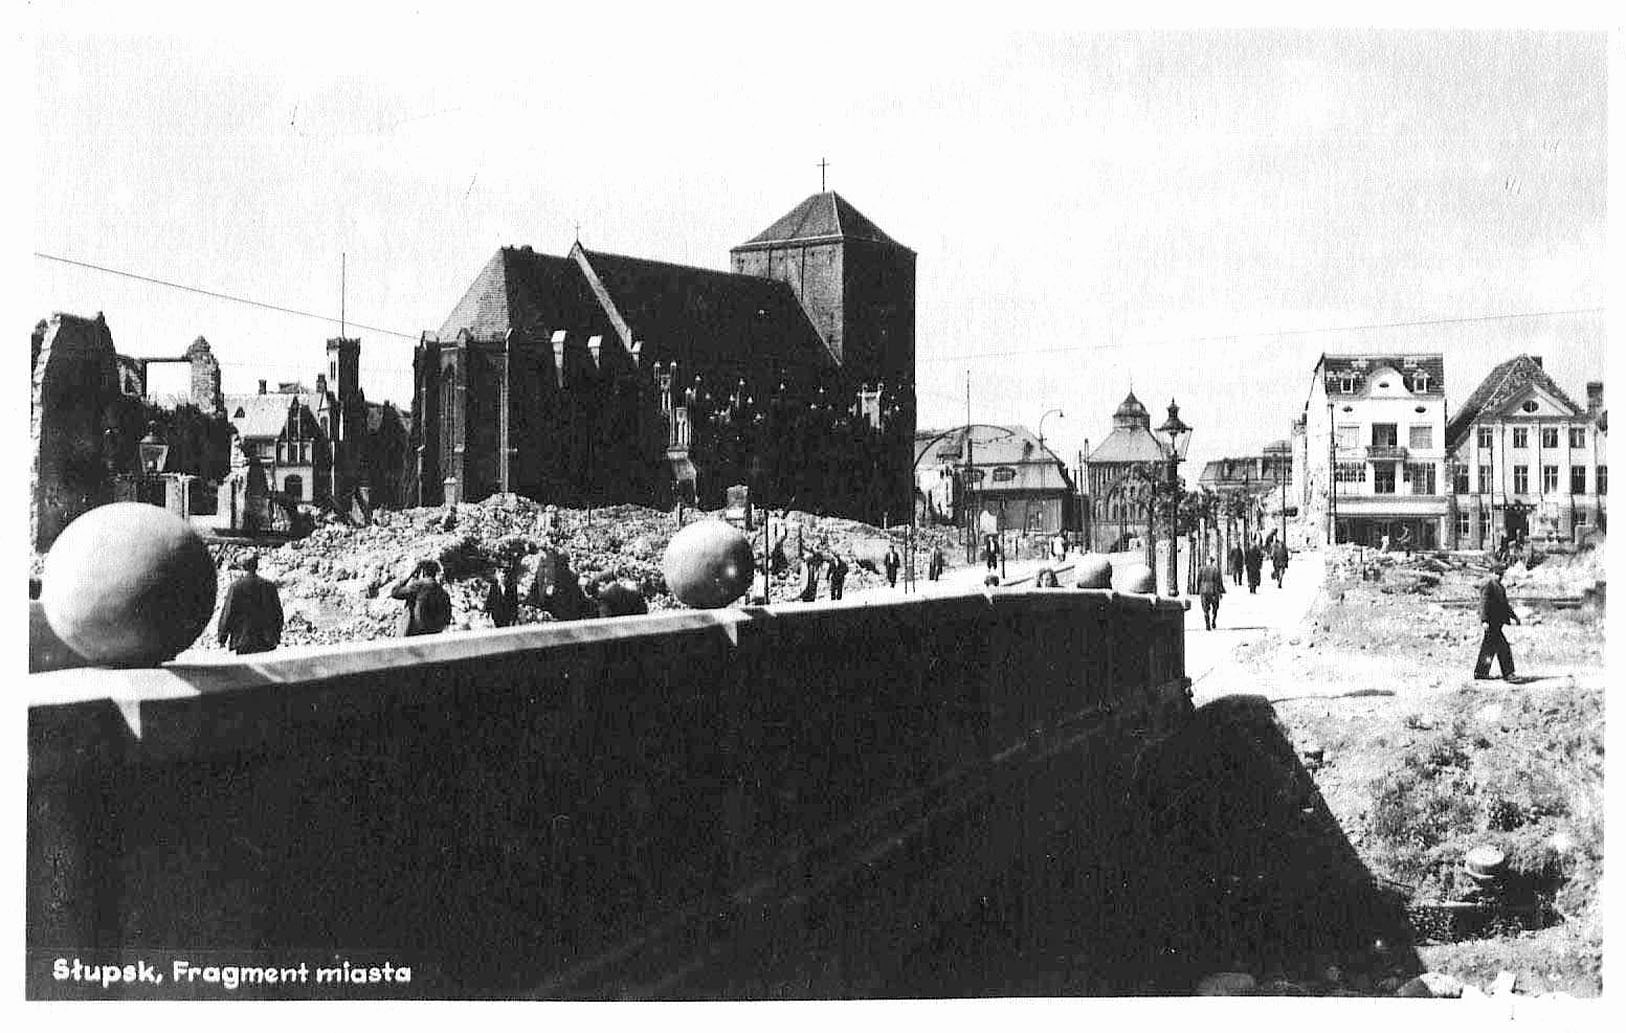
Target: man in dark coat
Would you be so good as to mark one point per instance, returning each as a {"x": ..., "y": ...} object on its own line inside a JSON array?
[
  {"x": 502, "y": 598},
  {"x": 428, "y": 607},
  {"x": 1278, "y": 562},
  {"x": 810, "y": 576},
  {"x": 893, "y": 562},
  {"x": 1235, "y": 558},
  {"x": 1254, "y": 560},
  {"x": 935, "y": 565},
  {"x": 838, "y": 575},
  {"x": 1494, "y": 614},
  {"x": 557, "y": 590},
  {"x": 251, "y": 616},
  {"x": 1210, "y": 586}
]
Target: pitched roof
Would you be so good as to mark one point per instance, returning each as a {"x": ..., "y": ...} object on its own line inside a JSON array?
[
  {"x": 700, "y": 317},
  {"x": 1359, "y": 365},
  {"x": 375, "y": 417},
  {"x": 1036, "y": 466},
  {"x": 1130, "y": 445},
  {"x": 1500, "y": 385},
  {"x": 264, "y": 416},
  {"x": 822, "y": 217}
]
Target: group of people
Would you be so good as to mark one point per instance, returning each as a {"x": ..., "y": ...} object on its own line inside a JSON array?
[
  {"x": 1242, "y": 561},
  {"x": 1249, "y": 561},
  {"x": 837, "y": 566},
  {"x": 251, "y": 617}
]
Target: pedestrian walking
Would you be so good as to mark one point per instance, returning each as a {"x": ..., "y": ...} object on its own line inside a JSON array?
[
  {"x": 990, "y": 550},
  {"x": 428, "y": 607},
  {"x": 502, "y": 598},
  {"x": 251, "y": 616},
  {"x": 1234, "y": 559},
  {"x": 810, "y": 576},
  {"x": 1278, "y": 562},
  {"x": 935, "y": 565},
  {"x": 1254, "y": 560},
  {"x": 1058, "y": 547},
  {"x": 1494, "y": 614},
  {"x": 1210, "y": 586},
  {"x": 838, "y": 575},
  {"x": 892, "y": 563}
]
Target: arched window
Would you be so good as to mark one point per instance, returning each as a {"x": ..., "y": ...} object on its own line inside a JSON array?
[{"x": 294, "y": 485}]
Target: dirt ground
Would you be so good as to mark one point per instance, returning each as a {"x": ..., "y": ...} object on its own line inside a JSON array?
[{"x": 1420, "y": 763}]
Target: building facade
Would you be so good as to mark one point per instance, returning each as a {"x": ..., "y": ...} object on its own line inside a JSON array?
[
  {"x": 1015, "y": 482},
  {"x": 595, "y": 378},
  {"x": 1374, "y": 448},
  {"x": 1115, "y": 474},
  {"x": 1526, "y": 460}
]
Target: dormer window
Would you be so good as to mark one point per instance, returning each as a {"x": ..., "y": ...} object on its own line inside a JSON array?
[
  {"x": 1419, "y": 381},
  {"x": 1529, "y": 405},
  {"x": 1346, "y": 385}
]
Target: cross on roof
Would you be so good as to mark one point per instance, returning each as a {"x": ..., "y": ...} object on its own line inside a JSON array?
[{"x": 822, "y": 166}]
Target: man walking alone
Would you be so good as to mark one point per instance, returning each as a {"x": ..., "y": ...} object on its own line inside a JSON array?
[
  {"x": 251, "y": 616},
  {"x": 1494, "y": 614},
  {"x": 1210, "y": 586}
]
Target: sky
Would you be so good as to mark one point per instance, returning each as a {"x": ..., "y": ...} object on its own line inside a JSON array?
[{"x": 1193, "y": 214}]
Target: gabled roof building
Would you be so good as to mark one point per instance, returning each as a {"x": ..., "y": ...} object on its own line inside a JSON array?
[
  {"x": 1526, "y": 459},
  {"x": 597, "y": 377},
  {"x": 1117, "y": 512},
  {"x": 1016, "y": 482}
]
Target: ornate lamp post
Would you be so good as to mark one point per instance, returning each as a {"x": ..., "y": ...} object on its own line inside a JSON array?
[{"x": 1179, "y": 436}]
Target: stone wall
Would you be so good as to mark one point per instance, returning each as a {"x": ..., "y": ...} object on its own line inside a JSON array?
[
  {"x": 75, "y": 384},
  {"x": 785, "y": 801}
]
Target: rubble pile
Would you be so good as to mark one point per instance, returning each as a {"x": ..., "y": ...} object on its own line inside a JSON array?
[{"x": 335, "y": 583}]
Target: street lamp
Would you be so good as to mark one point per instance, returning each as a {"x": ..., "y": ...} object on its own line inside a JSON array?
[
  {"x": 153, "y": 451},
  {"x": 1179, "y": 436},
  {"x": 1046, "y": 416}
]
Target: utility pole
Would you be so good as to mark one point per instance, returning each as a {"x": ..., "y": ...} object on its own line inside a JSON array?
[{"x": 970, "y": 519}]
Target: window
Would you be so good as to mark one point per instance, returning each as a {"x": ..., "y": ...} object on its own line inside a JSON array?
[
  {"x": 1420, "y": 435},
  {"x": 1577, "y": 437},
  {"x": 1349, "y": 435},
  {"x": 1549, "y": 479},
  {"x": 1529, "y": 406},
  {"x": 1521, "y": 437},
  {"x": 1463, "y": 527},
  {"x": 1602, "y": 480},
  {"x": 1485, "y": 478},
  {"x": 1419, "y": 382},
  {"x": 1383, "y": 478},
  {"x": 1346, "y": 385},
  {"x": 1521, "y": 480},
  {"x": 1580, "y": 518},
  {"x": 1459, "y": 480},
  {"x": 1004, "y": 473},
  {"x": 1421, "y": 476},
  {"x": 1549, "y": 437},
  {"x": 1486, "y": 436},
  {"x": 1577, "y": 480},
  {"x": 1350, "y": 473},
  {"x": 1385, "y": 435}
]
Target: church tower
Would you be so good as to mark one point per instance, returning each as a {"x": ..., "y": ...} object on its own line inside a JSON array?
[{"x": 856, "y": 283}]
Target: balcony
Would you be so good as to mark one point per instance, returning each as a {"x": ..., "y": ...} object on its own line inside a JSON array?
[{"x": 1386, "y": 453}]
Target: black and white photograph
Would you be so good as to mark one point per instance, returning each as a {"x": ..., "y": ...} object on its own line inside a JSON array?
[{"x": 738, "y": 504}]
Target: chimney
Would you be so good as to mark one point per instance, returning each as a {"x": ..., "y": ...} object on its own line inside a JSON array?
[
  {"x": 321, "y": 383},
  {"x": 1594, "y": 398},
  {"x": 262, "y": 387}
]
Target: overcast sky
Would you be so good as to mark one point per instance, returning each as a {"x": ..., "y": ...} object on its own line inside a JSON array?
[{"x": 1089, "y": 208}]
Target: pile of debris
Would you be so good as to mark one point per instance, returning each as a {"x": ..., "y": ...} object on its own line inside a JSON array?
[{"x": 335, "y": 583}]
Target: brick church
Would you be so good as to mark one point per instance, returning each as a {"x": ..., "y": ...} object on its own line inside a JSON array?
[{"x": 596, "y": 378}]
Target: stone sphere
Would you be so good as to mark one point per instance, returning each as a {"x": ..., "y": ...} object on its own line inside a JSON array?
[
  {"x": 1137, "y": 578},
  {"x": 708, "y": 564},
  {"x": 1094, "y": 571},
  {"x": 128, "y": 585}
]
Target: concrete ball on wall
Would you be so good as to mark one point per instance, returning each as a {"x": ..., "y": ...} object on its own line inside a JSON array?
[
  {"x": 128, "y": 585},
  {"x": 1137, "y": 578},
  {"x": 1094, "y": 571},
  {"x": 708, "y": 565}
]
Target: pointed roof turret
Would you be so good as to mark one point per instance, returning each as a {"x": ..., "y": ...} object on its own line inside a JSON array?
[{"x": 824, "y": 216}]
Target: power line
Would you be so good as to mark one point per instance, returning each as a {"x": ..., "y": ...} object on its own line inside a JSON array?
[
  {"x": 1265, "y": 333},
  {"x": 225, "y": 297}
]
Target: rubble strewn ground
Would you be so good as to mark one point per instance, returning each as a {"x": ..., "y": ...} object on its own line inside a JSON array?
[
  {"x": 1419, "y": 763},
  {"x": 335, "y": 583}
]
